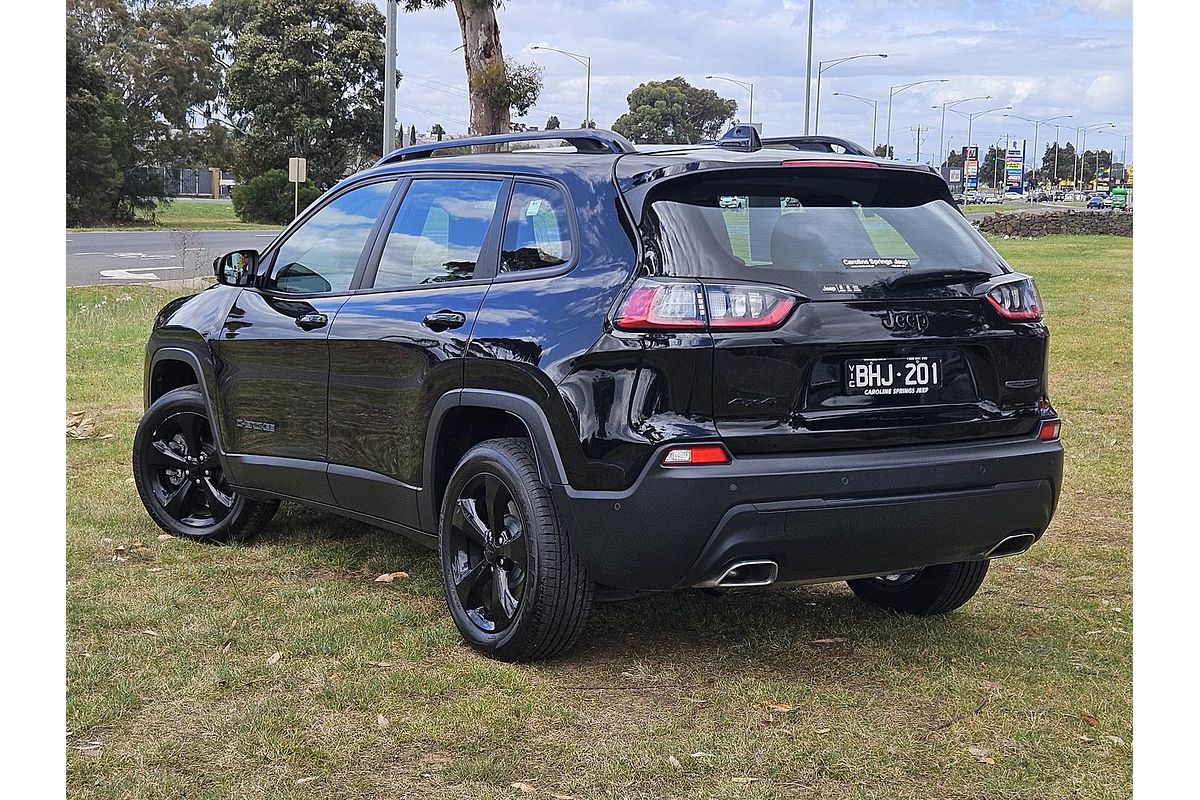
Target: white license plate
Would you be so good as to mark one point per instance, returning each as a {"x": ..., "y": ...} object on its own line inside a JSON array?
[{"x": 890, "y": 377}]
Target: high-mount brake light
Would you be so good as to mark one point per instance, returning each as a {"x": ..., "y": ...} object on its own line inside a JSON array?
[
  {"x": 1050, "y": 430},
  {"x": 1017, "y": 300},
  {"x": 696, "y": 455},
  {"x": 659, "y": 306},
  {"x": 816, "y": 162}
]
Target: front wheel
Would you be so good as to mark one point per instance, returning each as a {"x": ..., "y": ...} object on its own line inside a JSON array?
[
  {"x": 179, "y": 477},
  {"x": 514, "y": 586},
  {"x": 928, "y": 591}
]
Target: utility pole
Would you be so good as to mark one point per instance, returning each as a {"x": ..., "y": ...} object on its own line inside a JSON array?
[
  {"x": 917, "y": 135},
  {"x": 389, "y": 80}
]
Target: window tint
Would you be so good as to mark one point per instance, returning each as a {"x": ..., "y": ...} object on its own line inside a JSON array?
[
  {"x": 322, "y": 254},
  {"x": 536, "y": 233},
  {"x": 438, "y": 232}
]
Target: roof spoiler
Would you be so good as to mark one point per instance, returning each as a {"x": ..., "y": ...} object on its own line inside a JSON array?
[
  {"x": 585, "y": 140},
  {"x": 818, "y": 144}
]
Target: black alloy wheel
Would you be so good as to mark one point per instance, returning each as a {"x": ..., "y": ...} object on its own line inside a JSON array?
[
  {"x": 489, "y": 553},
  {"x": 179, "y": 477}
]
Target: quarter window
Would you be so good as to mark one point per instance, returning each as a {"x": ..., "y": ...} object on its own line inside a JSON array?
[
  {"x": 322, "y": 254},
  {"x": 438, "y": 232},
  {"x": 536, "y": 233}
]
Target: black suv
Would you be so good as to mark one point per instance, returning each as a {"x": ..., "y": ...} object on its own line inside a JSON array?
[{"x": 593, "y": 371}]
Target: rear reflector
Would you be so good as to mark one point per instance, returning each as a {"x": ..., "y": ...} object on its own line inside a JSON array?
[
  {"x": 662, "y": 306},
  {"x": 1050, "y": 430},
  {"x": 695, "y": 455}
]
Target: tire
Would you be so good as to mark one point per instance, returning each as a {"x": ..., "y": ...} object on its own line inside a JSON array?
[
  {"x": 932, "y": 590},
  {"x": 514, "y": 586},
  {"x": 179, "y": 477}
]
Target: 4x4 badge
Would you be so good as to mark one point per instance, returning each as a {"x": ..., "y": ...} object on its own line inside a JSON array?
[{"x": 906, "y": 320}]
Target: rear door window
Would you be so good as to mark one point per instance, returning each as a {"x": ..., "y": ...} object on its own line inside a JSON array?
[
  {"x": 537, "y": 232},
  {"x": 816, "y": 230}
]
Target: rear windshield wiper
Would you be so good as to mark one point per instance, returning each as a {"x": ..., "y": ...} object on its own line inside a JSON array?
[{"x": 944, "y": 277}]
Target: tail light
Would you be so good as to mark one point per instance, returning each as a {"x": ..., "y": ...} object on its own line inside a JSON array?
[
  {"x": 1050, "y": 430},
  {"x": 695, "y": 455},
  {"x": 658, "y": 306},
  {"x": 1017, "y": 300}
]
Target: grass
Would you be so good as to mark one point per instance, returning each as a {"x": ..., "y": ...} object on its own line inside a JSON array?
[
  {"x": 794, "y": 692},
  {"x": 186, "y": 213}
]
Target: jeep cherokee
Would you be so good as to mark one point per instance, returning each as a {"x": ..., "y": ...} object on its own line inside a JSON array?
[{"x": 596, "y": 370}]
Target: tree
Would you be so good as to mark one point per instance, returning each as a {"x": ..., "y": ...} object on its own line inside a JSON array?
[
  {"x": 94, "y": 176},
  {"x": 412, "y": 135},
  {"x": 1065, "y": 155},
  {"x": 304, "y": 79},
  {"x": 438, "y": 131},
  {"x": 954, "y": 160},
  {"x": 673, "y": 112},
  {"x": 497, "y": 86},
  {"x": 885, "y": 151},
  {"x": 991, "y": 170},
  {"x": 553, "y": 124}
]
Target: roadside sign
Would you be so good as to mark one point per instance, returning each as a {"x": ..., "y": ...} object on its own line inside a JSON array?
[
  {"x": 970, "y": 155},
  {"x": 298, "y": 170}
]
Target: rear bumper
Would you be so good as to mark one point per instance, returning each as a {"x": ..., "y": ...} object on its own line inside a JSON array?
[{"x": 819, "y": 516}]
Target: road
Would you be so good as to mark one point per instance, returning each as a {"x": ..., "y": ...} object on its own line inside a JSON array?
[{"x": 111, "y": 257}]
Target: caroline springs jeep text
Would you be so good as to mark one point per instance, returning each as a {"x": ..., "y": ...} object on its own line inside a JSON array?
[{"x": 595, "y": 370}]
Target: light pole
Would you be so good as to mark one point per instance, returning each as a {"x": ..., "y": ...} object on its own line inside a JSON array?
[
  {"x": 744, "y": 85},
  {"x": 587, "y": 62},
  {"x": 1037, "y": 123},
  {"x": 808, "y": 66},
  {"x": 942, "y": 134},
  {"x": 971, "y": 118},
  {"x": 1082, "y": 131},
  {"x": 389, "y": 79},
  {"x": 1124, "y": 153},
  {"x": 892, "y": 92},
  {"x": 874, "y": 112},
  {"x": 824, "y": 65}
]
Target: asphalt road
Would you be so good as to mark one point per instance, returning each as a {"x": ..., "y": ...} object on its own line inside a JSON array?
[{"x": 112, "y": 257}]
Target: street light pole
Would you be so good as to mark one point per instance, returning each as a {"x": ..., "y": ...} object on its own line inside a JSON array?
[
  {"x": 1083, "y": 131},
  {"x": 389, "y": 80},
  {"x": 744, "y": 85},
  {"x": 942, "y": 134},
  {"x": 874, "y": 113},
  {"x": 892, "y": 92},
  {"x": 808, "y": 68},
  {"x": 1037, "y": 123},
  {"x": 585, "y": 61},
  {"x": 824, "y": 65}
]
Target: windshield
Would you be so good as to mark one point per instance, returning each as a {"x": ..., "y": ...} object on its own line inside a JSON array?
[{"x": 821, "y": 231}]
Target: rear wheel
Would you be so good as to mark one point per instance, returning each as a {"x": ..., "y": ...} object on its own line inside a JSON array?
[
  {"x": 514, "y": 587},
  {"x": 932, "y": 590},
  {"x": 179, "y": 476}
]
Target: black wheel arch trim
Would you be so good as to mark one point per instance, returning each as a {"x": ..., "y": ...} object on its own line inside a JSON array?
[
  {"x": 531, "y": 415},
  {"x": 204, "y": 381}
]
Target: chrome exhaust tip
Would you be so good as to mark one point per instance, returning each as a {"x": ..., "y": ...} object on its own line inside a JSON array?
[
  {"x": 743, "y": 575},
  {"x": 1012, "y": 545}
]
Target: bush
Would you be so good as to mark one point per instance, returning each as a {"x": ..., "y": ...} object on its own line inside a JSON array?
[{"x": 269, "y": 198}]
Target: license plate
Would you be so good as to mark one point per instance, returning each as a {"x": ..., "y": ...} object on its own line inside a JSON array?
[{"x": 892, "y": 377}]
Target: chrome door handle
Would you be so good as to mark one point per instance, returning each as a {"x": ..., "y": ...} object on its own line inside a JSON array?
[
  {"x": 310, "y": 322},
  {"x": 444, "y": 320}
]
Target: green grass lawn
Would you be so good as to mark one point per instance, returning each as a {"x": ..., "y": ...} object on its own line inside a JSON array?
[
  {"x": 173, "y": 689},
  {"x": 186, "y": 213}
]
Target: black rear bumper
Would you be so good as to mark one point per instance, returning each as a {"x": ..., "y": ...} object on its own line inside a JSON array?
[{"x": 819, "y": 516}]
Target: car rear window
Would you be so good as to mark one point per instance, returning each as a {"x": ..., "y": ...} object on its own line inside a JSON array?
[{"x": 818, "y": 230}]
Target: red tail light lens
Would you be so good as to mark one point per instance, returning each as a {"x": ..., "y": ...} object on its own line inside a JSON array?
[
  {"x": 657, "y": 306},
  {"x": 695, "y": 455},
  {"x": 831, "y": 163},
  {"x": 1017, "y": 300},
  {"x": 1050, "y": 430}
]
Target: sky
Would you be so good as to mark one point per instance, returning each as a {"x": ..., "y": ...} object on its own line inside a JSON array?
[{"x": 1044, "y": 59}]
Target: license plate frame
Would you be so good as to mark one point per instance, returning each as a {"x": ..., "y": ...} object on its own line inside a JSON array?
[{"x": 892, "y": 377}]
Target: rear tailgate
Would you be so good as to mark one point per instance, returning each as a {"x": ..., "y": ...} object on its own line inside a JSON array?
[{"x": 891, "y": 340}]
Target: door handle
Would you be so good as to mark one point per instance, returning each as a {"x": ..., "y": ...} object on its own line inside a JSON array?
[
  {"x": 310, "y": 322},
  {"x": 444, "y": 320}
]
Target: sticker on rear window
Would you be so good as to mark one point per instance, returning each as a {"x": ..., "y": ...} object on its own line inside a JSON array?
[
  {"x": 869, "y": 263},
  {"x": 841, "y": 288},
  {"x": 534, "y": 207}
]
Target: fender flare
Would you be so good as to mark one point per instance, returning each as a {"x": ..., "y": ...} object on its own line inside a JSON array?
[
  {"x": 550, "y": 465},
  {"x": 204, "y": 377}
]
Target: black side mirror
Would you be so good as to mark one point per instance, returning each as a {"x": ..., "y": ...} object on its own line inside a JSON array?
[{"x": 237, "y": 268}]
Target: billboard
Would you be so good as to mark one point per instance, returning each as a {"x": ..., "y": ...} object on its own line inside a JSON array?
[
  {"x": 1014, "y": 167},
  {"x": 970, "y": 157}
]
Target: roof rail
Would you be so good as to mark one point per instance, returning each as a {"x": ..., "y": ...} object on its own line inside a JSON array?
[
  {"x": 817, "y": 144},
  {"x": 585, "y": 140}
]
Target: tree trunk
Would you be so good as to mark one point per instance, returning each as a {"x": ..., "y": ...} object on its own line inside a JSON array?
[{"x": 485, "y": 64}]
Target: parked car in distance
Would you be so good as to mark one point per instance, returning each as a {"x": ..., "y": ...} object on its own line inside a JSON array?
[
  {"x": 577, "y": 378},
  {"x": 958, "y": 198},
  {"x": 1095, "y": 201}
]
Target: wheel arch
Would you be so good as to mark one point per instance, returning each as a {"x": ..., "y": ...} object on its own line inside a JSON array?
[
  {"x": 492, "y": 414},
  {"x": 165, "y": 370}
]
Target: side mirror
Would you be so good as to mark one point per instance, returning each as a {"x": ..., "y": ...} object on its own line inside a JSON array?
[{"x": 237, "y": 268}]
